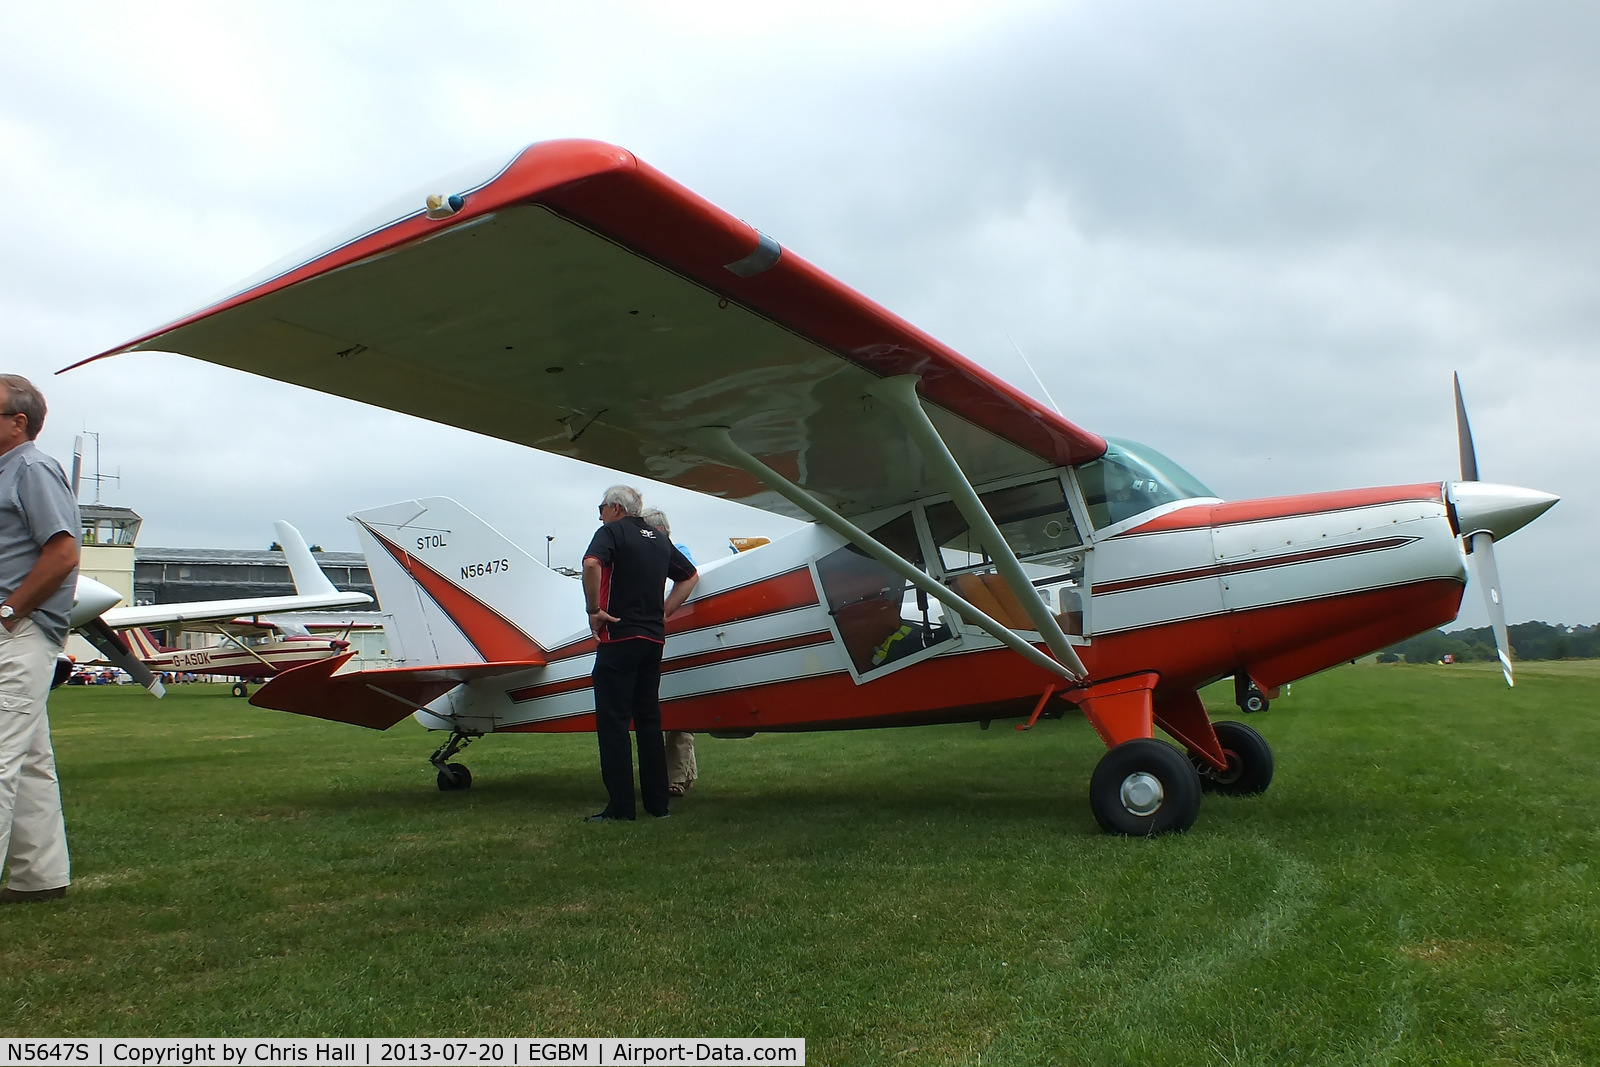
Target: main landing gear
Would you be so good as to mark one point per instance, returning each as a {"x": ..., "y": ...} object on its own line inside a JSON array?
[
  {"x": 453, "y": 776},
  {"x": 1249, "y": 762},
  {"x": 240, "y": 689},
  {"x": 1145, "y": 786}
]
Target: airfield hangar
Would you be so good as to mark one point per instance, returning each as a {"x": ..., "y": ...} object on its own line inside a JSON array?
[{"x": 176, "y": 575}]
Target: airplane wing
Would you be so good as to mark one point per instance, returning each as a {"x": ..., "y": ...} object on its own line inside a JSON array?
[
  {"x": 313, "y": 590},
  {"x": 207, "y": 610},
  {"x": 581, "y": 302}
]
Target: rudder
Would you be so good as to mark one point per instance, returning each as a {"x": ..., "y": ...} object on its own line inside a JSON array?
[{"x": 454, "y": 590}]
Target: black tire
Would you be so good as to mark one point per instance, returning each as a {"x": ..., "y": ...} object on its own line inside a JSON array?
[
  {"x": 1255, "y": 700},
  {"x": 1144, "y": 787},
  {"x": 1249, "y": 762},
  {"x": 454, "y": 776},
  {"x": 240, "y": 689}
]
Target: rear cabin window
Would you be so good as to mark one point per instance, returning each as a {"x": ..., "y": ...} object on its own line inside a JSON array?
[{"x": 881, "y": 619}]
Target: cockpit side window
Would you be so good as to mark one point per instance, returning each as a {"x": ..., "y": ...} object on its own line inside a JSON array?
[
  {"x": 1131, "y": 479},
  {"x": 1033, "y": 518}
]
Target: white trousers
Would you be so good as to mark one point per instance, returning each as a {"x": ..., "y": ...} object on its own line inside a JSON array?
[{"x": 33, "y": 835}]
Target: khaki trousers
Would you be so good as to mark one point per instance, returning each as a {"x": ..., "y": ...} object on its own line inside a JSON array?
[
  {"x": 681, "y": 769},
  {"x": 33, "y": 836}
]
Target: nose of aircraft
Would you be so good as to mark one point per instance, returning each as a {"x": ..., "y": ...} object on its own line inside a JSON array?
[{"x": 1498, "y": 510}]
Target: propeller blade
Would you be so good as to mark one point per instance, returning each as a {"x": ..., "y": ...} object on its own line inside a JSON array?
[
  {"x": 1480, "y": 559},
  {"x": 1469, "y": 456},
  {"x": 116, "y": 651}
]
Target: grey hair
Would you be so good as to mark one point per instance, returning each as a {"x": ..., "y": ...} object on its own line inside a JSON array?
[
  {"x": 657, "y": 518},
  {"x": 25, "y": 399},
  {"x": 625, "y": 497}
]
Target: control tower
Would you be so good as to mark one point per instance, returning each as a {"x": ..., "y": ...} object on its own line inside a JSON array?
[{"x": 107, "y": 546}]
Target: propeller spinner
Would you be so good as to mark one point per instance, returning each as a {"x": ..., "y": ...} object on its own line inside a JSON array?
[{"x": 1484, "y": 513}]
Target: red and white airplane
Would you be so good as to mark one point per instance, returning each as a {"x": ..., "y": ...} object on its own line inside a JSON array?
[
  {"x": 974, "y": 555},
  {"x": 252, "y": 653},
  {"x": 121, "y": 637}
]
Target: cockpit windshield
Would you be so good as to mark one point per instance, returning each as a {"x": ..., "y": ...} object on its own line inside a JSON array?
[{"x": 1130, "y": 479}]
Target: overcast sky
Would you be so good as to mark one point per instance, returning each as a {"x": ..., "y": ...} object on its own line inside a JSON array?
[{"x": 1258, "y": 236}]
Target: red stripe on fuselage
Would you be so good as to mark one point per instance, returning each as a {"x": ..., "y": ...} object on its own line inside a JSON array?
[
  {"x": 681, "y": 663},
  {"x": 1237, "y": 566},
  {"x": 781, "y": 592},
  {"x": 1284, "y": 507},
  {"x": 496, "y": 637}
]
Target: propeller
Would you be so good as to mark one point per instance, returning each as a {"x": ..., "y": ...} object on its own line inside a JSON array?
[
  {"x": 115, "y": 650},
  {"x": 1483, "y": 514}
]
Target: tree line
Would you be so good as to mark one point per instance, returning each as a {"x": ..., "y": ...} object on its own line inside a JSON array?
[{"x": 1529, "y": 640}]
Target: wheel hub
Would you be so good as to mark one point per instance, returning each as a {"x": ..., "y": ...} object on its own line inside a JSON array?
[{"x": 1142, "y": 793}]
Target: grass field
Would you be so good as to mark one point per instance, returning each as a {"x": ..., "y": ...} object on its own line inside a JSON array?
[{"x": 1418, "y": 886}]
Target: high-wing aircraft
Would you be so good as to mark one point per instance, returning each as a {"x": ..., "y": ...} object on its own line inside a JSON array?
[
  {"x": 95, "y": 616},
  {"x": 974, "y": 555},
  {"x": 252, "y": 650}
]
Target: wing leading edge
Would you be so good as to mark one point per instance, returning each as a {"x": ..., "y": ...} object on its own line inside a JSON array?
[{"x": 583, "y": 303}]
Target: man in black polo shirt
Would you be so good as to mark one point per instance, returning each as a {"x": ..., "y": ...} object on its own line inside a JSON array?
[{"x": 625, "y": 569}]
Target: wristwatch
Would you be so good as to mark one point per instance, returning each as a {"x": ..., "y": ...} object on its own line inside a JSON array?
[{"x": 7, "y": 611}]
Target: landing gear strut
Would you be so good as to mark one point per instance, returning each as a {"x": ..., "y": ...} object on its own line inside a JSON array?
[
  {"x": 453, "y": 776},
  {"x": 1246, "y": 694}
]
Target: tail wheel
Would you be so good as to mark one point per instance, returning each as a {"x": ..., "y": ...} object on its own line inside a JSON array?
[
  {"x": 454, "y": 776},
  {"x": 1144, "y": 787},
  {"x": 1249, "y": 762}
]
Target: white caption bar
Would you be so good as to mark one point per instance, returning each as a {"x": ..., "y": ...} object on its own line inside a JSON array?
[{"x": 315, "y": 1052}]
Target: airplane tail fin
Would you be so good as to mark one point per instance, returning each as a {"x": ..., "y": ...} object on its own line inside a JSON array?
[
  {"x": 142, "y": 643},
  {"x": 456, "y": 591},
  {"x": 308, "y": 577}
]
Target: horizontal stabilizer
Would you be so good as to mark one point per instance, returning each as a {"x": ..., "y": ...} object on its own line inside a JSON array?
[{"x": 374, "y": 699}]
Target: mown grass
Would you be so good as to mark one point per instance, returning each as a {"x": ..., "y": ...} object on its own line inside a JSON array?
[{"x": 1418, "y": 886}]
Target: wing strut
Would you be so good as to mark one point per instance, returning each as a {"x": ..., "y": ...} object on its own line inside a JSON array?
[
  {"x": 900, "y": 393},
  {"x": 715, "y": 441}
]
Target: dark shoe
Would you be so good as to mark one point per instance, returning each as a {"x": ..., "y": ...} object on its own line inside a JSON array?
[
  {"x": 661, "y": 814},
  {"x": 606, "y": 816},
  {"x": 28, "y": 896}
]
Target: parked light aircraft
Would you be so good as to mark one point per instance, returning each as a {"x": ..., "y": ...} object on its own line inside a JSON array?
[
  {"x": 95, "y": 616},
  {"x": 579, "y": 301},
  {"x": 252, "y": 651}
]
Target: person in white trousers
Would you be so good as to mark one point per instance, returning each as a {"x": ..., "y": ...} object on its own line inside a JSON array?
[{"x": 39, "y": 531}]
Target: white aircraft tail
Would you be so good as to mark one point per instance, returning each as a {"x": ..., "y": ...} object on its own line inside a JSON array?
[
  {"x": 308, "y": 577},
  {"x": 142, "y": 643},
  {"x": 456, "y": 591}
]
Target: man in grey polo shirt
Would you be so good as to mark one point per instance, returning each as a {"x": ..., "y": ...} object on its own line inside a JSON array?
[{"x": 39, "y": 530}]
